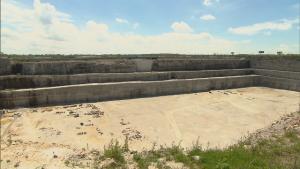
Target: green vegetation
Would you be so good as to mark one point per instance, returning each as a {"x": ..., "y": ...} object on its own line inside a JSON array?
[
  {"x": 281, "y": 152},
  {"x": 115, "y": 152}
]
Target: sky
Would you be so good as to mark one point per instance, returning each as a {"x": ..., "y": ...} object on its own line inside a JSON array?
[{"x": 149, "y": 26}]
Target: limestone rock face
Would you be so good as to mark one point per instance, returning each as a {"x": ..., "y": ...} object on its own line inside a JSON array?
[{"x": 5, "y": 66}]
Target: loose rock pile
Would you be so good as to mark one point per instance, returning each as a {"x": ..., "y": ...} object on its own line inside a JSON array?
[{"x": 290, "y": 122}]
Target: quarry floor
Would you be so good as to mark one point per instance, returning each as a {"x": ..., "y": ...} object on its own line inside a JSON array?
[{"x": 45, "y": 137}]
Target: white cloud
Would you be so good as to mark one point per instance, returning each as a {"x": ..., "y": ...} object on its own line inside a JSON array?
[
  {"x": 47, "y": 13},
  {"x": 134, "y": 25},
  {"x": 208, "y": 17},
  {"x": 288, "y": 48},
  {"x": 265, "y": 26},
  {"x": 121, "y": 20},
  {"x": 283, "y": 47},
  {"x": 95, "y": 27},
  {"x": 37, "y": 31},
  {"x": 181, "y": 27},
  {"x": 209, "y": 2}
]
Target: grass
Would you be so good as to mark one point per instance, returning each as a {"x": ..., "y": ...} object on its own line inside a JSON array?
[
  {"x": 268, "y": 154},
  {"x": 161, "y": 156},
  {"x": 282, "y": 152},
  {"x": 114, "y": 151}
]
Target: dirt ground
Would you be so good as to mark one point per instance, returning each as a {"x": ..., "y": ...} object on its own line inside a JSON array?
[{"x": 45, "y": 137}]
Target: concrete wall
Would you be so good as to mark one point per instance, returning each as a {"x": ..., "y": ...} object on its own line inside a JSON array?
[
  {"x": 279, "y": 83},
  {"x": 122, "y": 90},
  {"x": 198, "y": 64},
  {"x": 75, "y": 67},
  {"x": 143, "y": 65},
  {"x": 152, "y": 64},
  {"x": 278, "y": 74},
  {"x": 131, "y": 78},
  {"x": 125, "y": 66},
  {"x": 5, "y": 66},
  {"x": 276, "y": 64},
  {"x": 35, "y": 81}
]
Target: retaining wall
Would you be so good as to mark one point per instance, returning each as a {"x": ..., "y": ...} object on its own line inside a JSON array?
[
  {"x": 74, "y": 67},
  {"x": 278, "y": 74},
  {"x": 35, "y": 81},
  {"x": 109, "y": 79},
  {"x": 276, "y": 64},
  {"x": 121, "y": 90},
  {"x": 198, "y": 64},
  {"x": 279, "y": 83},
  {"x": 124, "y": 66},
  {"x": 5, "y": 66}
]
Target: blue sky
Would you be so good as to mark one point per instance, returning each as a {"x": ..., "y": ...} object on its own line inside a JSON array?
[{"x": 150, "y": 26}]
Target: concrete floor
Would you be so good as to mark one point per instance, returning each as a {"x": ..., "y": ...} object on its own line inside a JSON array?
[{"x": 215, "y": 119}]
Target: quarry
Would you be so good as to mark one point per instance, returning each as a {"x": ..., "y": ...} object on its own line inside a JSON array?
[{"x": 52, "y": 108}]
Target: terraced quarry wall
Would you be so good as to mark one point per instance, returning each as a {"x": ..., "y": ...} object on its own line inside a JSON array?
[
  {"x": 37, "y": 83},
  {"x": 5, "y": 66},
  {"x": 124, "y": 66}
]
